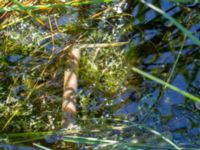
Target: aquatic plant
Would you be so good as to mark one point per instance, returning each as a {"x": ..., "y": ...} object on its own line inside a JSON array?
[{"x": 117, "y": 108}]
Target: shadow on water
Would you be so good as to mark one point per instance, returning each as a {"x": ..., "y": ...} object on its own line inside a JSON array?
[{"x": 148, "y": 107}]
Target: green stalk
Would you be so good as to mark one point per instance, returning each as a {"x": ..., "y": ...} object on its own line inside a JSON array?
[
  {"x": 179, "y": 26},
  {"x": 184, "y": 93},
  {"x": 21, "y": 7}
]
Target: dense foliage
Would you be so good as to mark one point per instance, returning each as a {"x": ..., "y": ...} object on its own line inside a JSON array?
[{"x": 112, "y": 98}]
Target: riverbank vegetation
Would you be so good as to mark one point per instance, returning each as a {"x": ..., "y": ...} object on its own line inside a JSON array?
[{"x": 138, "y": 74}]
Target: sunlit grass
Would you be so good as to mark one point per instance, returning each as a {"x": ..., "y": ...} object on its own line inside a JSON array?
[
  {"x": 21, "y": 7},
  {"x": 167, "y": 85},
  {"x": 79, "y": 136}
]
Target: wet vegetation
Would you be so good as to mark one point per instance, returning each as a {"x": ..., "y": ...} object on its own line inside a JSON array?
[{"x": 139, "y": 90}]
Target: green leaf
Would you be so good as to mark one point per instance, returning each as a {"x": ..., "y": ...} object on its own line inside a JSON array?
[
  {"x": 184, "y": 93},
  {"x": 174, "y": 21},
  {"x": 186, "y": 1}
]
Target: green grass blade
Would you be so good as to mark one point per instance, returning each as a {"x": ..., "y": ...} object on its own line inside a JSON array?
[
  {"x": 87, "y": 140},
  {"x": 41, "y": 147},
  {"x": 164, "y": 138},
  {"x": 25, "y": 134},
  {"x": 20, "y": 7},
  {"x": 179, "y": 26},
  {"x": 185, "y": 1},
  {"x": 176, "y": 62},
  {"x": 156, "y": 133},
  {"x": 184, "y": 93}
]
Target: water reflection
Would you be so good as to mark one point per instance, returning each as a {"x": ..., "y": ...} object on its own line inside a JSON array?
[{"x": 166, "y": 110}]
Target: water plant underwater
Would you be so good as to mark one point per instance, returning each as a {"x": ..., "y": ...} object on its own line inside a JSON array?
[{"x": 35, "y": 39}]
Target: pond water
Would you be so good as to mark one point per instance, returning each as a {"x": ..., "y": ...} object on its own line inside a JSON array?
[{"x": 143, "y": 116}]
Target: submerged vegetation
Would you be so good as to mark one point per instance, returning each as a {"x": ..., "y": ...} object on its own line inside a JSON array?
[{"x": 139, "y": 74}]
